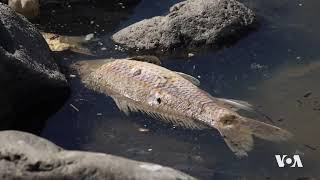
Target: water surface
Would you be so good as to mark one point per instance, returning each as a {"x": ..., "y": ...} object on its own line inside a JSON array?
[{"x": 273, "y": 68}]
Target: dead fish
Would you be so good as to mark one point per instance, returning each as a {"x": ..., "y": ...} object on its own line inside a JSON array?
[{"x": 137, "y": 86}]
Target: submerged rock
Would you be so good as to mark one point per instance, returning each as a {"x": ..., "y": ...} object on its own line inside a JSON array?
[
  {"x": 31, "y": 85},
  {"x": 190, "y": 24},
  {"x": 25, "y": 156}
]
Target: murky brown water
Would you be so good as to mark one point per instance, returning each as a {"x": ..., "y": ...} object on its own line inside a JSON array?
[{"x": 273, "y": 69}]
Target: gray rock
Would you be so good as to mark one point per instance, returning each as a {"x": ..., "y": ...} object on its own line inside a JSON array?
[
  {"x": 25, "y": 156},
  {"x": 190, "y": 24},
  {"x": 31, "y": 85}
]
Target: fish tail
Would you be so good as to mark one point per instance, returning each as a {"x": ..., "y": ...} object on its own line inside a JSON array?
[{"x": 238, "y": 133}]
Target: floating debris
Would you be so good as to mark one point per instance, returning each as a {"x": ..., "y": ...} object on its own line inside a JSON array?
[
  {"x": 99, "y": 114},
  {"x": 299, "y": 102},
  {"x": 310, "y": 147},
  {"x": 74, "y": 107},
  {"x": 307, "y": 94},
  {"x": 72, "y": 76},
  {"x": 256, "y": 66},
  {"x": 89, "y": 37},
  {"x": 306, "y": 178},
  {"x": 190, "y": 54},
  {"x": 143, "y": 130}
]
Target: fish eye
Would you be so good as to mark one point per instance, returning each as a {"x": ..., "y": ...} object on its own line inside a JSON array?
[{"x": 158, "y": 100}]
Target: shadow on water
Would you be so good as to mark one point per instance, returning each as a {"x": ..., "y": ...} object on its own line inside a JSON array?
[{"x": 275, "y": 69}]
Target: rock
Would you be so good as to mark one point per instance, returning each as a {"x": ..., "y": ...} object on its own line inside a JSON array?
[
  {"x": 25, "y": 156},
  {"x": 28, "y": 8},
  {"x": 190, "y": 24},
  {"x": 31, "y": 85}
]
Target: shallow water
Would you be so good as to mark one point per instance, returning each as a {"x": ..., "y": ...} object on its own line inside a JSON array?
[{"x": 272, "y": 68}]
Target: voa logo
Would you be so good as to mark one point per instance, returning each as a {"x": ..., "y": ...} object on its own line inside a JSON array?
[{"x": 291, "y": 161}]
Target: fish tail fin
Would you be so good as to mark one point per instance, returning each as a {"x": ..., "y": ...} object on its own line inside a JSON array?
[{"x": 238, "y": 133}]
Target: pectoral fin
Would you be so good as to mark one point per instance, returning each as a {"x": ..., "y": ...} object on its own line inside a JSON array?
[{"x": 190, "y": 78}]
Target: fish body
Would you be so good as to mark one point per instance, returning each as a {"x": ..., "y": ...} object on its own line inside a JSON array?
[{"x": 164, "y": 94}]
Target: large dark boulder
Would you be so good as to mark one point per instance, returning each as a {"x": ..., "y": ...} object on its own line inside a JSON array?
[
  {"x": 190, "y": 24},
  {"x": 31, "y": 85},
  {"x": 25, "y": 156}
]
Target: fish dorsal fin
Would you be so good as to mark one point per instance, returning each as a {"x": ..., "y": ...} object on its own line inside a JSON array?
[
  {"x": 147, "y": 58},
  {"x": 127, "y": 105},
  {"x": 237, "y": 105},
  {"x": 190, "y": 78}
]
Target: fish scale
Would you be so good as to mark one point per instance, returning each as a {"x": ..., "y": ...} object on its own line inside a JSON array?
[{"x": 164, "y": 94}]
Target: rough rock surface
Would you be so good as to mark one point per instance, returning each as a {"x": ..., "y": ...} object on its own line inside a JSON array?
[
  {"x": 31, "y": 85},
  {"x": 25, "y": 156},
  {"x": 190, "y": 24}
]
